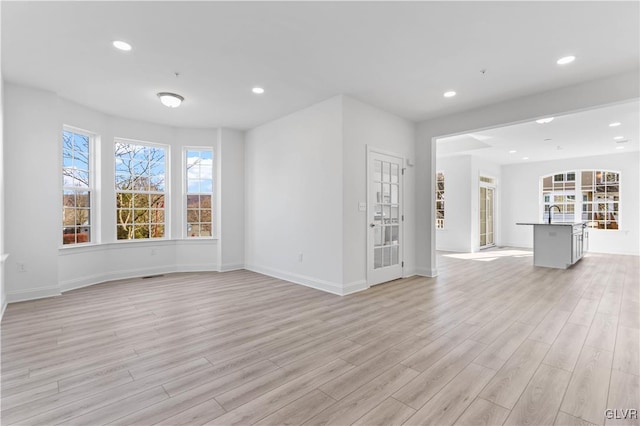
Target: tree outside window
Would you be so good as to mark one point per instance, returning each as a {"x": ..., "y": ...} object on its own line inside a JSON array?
[
  {"x": 140, "y": 190},
  {"x": 76, "y": 187}
]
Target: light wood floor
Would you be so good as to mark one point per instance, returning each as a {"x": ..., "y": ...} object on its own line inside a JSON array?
[{"x": 490, "y": 341}]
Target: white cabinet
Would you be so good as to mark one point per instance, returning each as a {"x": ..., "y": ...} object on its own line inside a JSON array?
[
  {"x": 558, "y": 245},
  {"x": 577, "y": 243}
]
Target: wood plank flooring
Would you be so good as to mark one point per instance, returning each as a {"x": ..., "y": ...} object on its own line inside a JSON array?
[{"x": 490, "y": 341}]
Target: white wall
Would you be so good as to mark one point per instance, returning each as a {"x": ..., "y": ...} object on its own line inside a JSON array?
[
  {"x": 232, "y": 199},
  {"x": 3, "y": 291},
  {"x": 521, "y": 193},
  {"x": 462, "y": 173},
  {"x": 618, "y": 88},
  {"x": 293, "y": 204},
  {"x": 34, "y": 120},
  {"x": 33, "y": 196},
  {"x": 364, "y": 125},
  {"x": 456, "y": 235}
]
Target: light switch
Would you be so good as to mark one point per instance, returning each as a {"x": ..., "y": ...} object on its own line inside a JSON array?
[{"x": 362, "y": 206}]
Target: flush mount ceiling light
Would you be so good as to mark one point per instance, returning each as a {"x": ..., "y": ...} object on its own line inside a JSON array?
[
  {"x": 544, "y": 120},
  {"x": 566, "y": 60},
  {"x": 172, "y": 100},
  {"x": 616, "y": 124},
  {"x": 258, "y": 90},
  {"x": 122, "y": 45},
  {"x": 513, "y": 151},
  {"x": 449, "y": 94},
  {"x": 525, "y": 158}
]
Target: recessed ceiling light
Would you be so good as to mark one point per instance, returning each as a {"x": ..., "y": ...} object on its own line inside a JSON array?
[
  {"x": 172, "y": 100},
  {"x": 513, "y": 151},
  {"x": 548, "y": 139},
  {"x": 122, "y": 45},
  {"x": 544, "y": 120},
  {"x": 258, "y": 90},
  {"x": 616, "y": 124},
  {"x": 449, "y": 94},
  {"x": 620, "y": 147},
  {"x": 566, "y": 60},
  {"x": 525, "y": 158},
  {"x": 618, "y": 138}
]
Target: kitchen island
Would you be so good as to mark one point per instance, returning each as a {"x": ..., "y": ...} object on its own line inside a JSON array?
[{"x": 558, "y": 245}]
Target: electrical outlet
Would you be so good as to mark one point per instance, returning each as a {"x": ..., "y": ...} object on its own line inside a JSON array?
[
  {"x": 21, "y": 267},
  {"x": 300, "y": 257}
]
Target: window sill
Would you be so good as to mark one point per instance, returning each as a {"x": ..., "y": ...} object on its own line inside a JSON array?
[{"x": 117, "y": 245}]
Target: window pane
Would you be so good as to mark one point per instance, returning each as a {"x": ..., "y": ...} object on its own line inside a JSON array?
[
  {"x": 141, "y": 200},
  {"x": 157, "y": 183},
  {"x": 140, "y": 231},
  {"x": 69, "y": 235},
  {"x": 377, "y": 258},
  {"x": 157, "y": 231},
  {"x": 76, "y": 150},
  {"x": 205, "y": 230},
  {"x": 193, "y": 216},
  {"x": 206, "y": 185},
  {"x": 394, "y": 194},
  {"x": 140, "y": 170},
  {"x": 199, "y": 184},
  {"x": 83, "y": 199},
  {"x": 205, "y": 201},
  {"x": 69, "y": 217},
  {"x": 193, "y": 201},
  {"x": 157, "y": 216},
  {"x": 141, "y": 216},
  {"x": 386, "y": 171},
  {"x": 394, "y": 173},
  {"x": 157, "y": 201},
  {"x": 83, "y": 234}
]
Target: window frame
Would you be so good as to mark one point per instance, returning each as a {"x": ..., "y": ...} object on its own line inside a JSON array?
[
  {"x": 166, "y": 193},
  {"x": 578, "y": 193},
  {"x": 185, "y": 193},
  {"x": 91, "y": 187}
]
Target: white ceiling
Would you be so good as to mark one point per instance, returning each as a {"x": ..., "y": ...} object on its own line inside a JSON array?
[
  {"x": 399, "y": 56},
  {"x": 580, "y": 134}
]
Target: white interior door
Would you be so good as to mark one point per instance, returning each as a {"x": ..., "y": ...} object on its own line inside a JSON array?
[{"x": 385, "y": 217}]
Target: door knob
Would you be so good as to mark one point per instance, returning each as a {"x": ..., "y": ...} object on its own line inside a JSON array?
[{"x": 372, "y": 225}]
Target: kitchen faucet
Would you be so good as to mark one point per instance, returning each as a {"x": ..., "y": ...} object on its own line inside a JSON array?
[{"x": 550, "y": 207}]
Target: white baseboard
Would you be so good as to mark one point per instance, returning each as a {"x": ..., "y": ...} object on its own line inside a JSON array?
[
  {"x": 409, "y": 273},
  {"x": 622, "y": 253},
  {"x": 201, "y": 267},
  {"x": 34, "y": 293},
  {"x": 426, "y": 272},
  {"x": 355, "y": 287},
  {"x": 304, "y": 280},
  {"x": 231, "y": 267},
  {"x": 132, "y": 273}
]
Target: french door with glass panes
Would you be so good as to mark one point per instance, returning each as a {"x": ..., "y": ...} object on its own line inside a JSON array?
[
  {"x": 384, "y": 211},
  {"x": 487, "y": 204}
]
